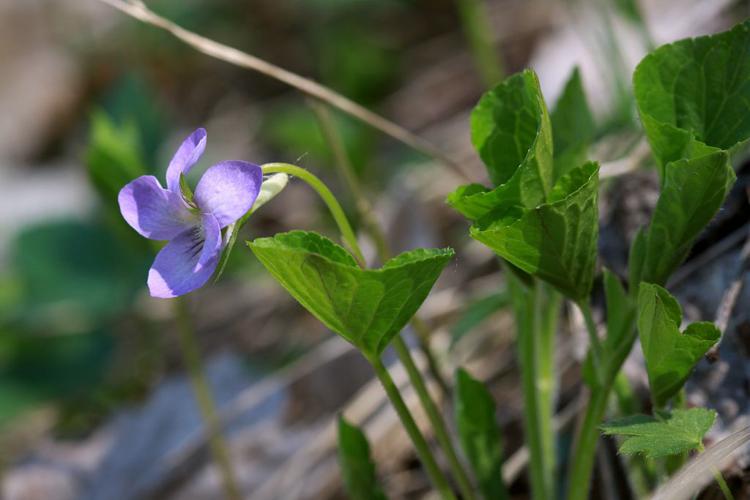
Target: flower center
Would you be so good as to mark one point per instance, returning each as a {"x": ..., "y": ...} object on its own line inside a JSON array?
[{"x": 197, "y": 238}]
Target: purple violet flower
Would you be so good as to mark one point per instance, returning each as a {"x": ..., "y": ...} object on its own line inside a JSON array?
[{"x": 191, "y": 223}]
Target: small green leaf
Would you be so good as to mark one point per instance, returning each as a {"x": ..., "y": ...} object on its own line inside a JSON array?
[
  {"x": 692, "y": 192},
  {"x": 357, "y": 466},
  {"x": 511, "y": 130},
  {"x": 479, "y": 433},
  {"x": 573, "y": 126},
  {"x": 555, "y": 241},
  {"x": 670, "y": 434},
  {"x": 670, "y": 354},
  {"x": 694, "y": 95},
  {"x": 365, "y": 306}
]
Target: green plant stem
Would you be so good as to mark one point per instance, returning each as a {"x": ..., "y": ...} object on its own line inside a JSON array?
[
  {"x": 423, "y": 337},
  {"x": 371, "y": 224},
  {"x": 373, "y": 228},
  {"x": 475, "y": 22},
  {"x": 428, "y": 460},
  {"x": 723, "y": 486},
  {"x": 205, "y": 400},
  {"x": 584, "y": 450},
  {"x": 673, "y": 463},
  {"x": 536, "y": 313},
  {"x": 579, "y": 478},
  {"x": 346, "y": 169},
  {"x": 436, "y": 419},
  {"x": 402, "y": 350},
  {"x": 328, "y": 198},
  {"x": 596, "y": 345}
]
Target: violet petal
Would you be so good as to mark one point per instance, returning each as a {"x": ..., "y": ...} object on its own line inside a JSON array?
[
  {"x": 153, "y": 211},
  {"x": 188, "y": 261},
  {"x": 228, "y": 190},
  {"x": 186, "y": 156}
]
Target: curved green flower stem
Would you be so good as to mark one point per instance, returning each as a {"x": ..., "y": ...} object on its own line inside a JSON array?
[
  {"x": 346, "y": 169},
  {"x": 328, "y": 198},
  {"x": 477, "y": 29},
  {"x": 537, "y": 310},
  {"x": 204, "y": 399},
  {"x": 401, "y": 349},
  {"x": 436, "y": 419},
  {"x": 371, "y": 224},
  {"x": 428, "y": 460}
]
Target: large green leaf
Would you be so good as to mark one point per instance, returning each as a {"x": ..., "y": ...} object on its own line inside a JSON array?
[
  {"x": 694, "y": 95},
  {"x": 365, "y": 306},
  {"x": 357, "y": 467},
  {"x": 555, "y": 241},
  {"x": 573, "y": 126},
  {"x": 73, "y": 274},
  {"x": 670, "y": 354},
  {"x": 37, "y": 368},
  {"x": 479, "y": 433},
  {"x": 510, "y": 128},
  {"x": 666, "y": 434},
  {"x": 692, "y": 192}
]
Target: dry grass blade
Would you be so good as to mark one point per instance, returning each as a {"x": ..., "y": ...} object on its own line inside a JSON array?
[
  {"x": 700, "y": 471},
  {"x": 138, "y": 10}
]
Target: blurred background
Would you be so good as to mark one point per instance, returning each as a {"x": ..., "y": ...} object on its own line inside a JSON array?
[{"x": 94, "y": 402}]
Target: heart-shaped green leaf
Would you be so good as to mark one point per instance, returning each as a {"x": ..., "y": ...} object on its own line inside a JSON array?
[
  {"x": 480, "y": 436},
  {"x": 357, "y": 467},
  {"x": 694, "y": 95},
  {"x": 670, "y": 354},
  {"x": 555, "y": 241},
  {"x": 365, "y": 306},
  {"x": 668, "y": 434},
  {"x": 510, "y": 128},
  {"x": 692, "y": 192}
]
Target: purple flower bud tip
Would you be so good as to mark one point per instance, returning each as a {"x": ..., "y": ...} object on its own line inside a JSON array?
[{"x": 225, "y": 193}]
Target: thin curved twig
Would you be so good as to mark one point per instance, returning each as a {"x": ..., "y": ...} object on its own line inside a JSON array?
[{"x": 138, "y": 10}]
